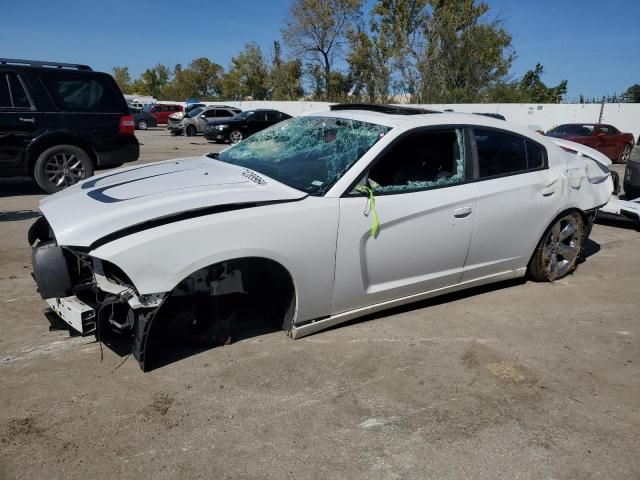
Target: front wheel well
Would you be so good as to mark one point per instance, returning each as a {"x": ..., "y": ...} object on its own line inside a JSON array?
[{"x": 232, "y": 299}]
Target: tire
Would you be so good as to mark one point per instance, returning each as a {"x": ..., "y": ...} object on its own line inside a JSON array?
[
  {"x": 624, "y": 154},
  {"x": 191, "y": 131},
  {"x": 235, "y": 137},
  {"x": 631, "y": 193},
  {"x": 62, "y": 166},
  {"x": 556, "y": 257},
  {"x": 142, "y": 125}
]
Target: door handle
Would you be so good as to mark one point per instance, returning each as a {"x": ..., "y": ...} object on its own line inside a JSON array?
[
  {"x": 27, "y": 120},
  {"x": 462, "y": 212}
]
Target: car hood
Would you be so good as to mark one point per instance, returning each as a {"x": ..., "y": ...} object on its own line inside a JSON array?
[{"x": 120, "y": 199}]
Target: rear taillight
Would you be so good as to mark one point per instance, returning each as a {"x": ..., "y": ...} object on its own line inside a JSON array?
[{"x": 126, "y": 126}]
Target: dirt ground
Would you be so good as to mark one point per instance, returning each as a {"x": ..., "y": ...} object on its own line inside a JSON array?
[{"x": 515, "y": 381}]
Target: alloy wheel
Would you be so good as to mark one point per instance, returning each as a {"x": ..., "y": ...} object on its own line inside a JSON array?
[
  {"x": 235, "y": 137},
  {"x": 562, "y": 246},
  {"x": 143, "y": 125},
  {"x": 626, "y": 153},
  {"x": 64, "y": 169}
]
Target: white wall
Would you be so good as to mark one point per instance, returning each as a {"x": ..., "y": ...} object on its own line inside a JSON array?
[{"x": 624, "y": 116}]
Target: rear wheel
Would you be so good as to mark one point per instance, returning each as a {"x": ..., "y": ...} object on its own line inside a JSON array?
[
  {"x": 62, "y": 166},
  {"x": 625, "y": 154},
  {"x": 559, "y": 249},
  {"x": 143, "y": 125},
  {"x": 191, "y": 131}
]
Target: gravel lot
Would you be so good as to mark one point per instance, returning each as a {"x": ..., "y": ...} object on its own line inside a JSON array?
[{"x": 515, "y": 381}]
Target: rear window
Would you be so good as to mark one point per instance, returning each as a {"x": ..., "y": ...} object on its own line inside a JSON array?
[
  {"x": 73, "y": 92},
  {"x": 20, "y": 99},
  {"x": 5, "y": 98},
  {"x": 11, "y": 89},
  {"x": 499, "y": 153}
]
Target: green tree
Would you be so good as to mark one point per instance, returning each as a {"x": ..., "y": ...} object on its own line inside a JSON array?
[
  {"x": 316, "y": 31},
  {"x": 206, "y": 76},
  {"x": 534, "y": 90},
  {"x": 123, "y": 78},
  {"x": 369, "y": 63},
  {"x": 153, "y": 81},
  {"x": 200, "y": 79},
  {"x": 529, "y": 89},
  {"x": 633, "y": 93},
  {"x": 443, "y": 50},
  {"x": 286, "y": 76},
  {"x": 248, "y": 75}
]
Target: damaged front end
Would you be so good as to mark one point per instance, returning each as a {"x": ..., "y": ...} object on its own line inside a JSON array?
[{"x": 89, "y": 295}]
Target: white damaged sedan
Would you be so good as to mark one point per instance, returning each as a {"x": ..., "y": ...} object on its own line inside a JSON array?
[{"x": 315, "y": 221}]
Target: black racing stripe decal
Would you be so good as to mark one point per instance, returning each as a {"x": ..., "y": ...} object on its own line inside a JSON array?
[
  {"x": 93, "y": 181},
  {"x": 200, "y": 212},
  {"x": 99, "y": 195}
]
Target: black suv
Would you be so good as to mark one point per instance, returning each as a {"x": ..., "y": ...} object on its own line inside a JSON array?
[
  {"x": 59, "y": 122},
  {"x": 243, "y": 125}
]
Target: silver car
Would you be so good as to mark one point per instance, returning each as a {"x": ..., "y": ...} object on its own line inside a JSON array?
[{"x": 194, "y": 122}]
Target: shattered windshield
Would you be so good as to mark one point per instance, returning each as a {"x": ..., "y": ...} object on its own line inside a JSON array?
[{"x": 306, "y": 153}]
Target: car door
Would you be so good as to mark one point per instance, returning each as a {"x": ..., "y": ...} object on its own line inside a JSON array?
[
  {"x": 17, "y": 120},
  {"x": 255, "y": 123},
  {"x": 517, "y": 198},
  {"x": 273, "y": 117},
  {"x": 206, "y": 117},
  {"x": 605, "y": 141},
  {"x": 426, "y": 211}
]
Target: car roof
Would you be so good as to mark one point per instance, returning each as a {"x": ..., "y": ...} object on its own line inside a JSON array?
[{"x": 425, "y": 119}]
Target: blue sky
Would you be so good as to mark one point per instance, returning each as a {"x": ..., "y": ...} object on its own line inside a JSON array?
[{"x": 593, "y": 44}]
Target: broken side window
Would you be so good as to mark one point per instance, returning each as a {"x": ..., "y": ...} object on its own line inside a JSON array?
[{"x": 421, "y": 161}]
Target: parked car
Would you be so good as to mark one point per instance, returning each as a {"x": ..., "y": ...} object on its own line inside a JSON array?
[
  {"x": 193, "y": 106},
  {"x": 194, "y": 122},
  {"x": 631, "y": 180},
  {"x": 234, "y": 130},
  {"x": 59, "y": 122},
  {"x": 315, "y": 221},
  {"x": 607, "y": 139},
  {"x": 162, "y": 111},
  {"x": 143, "y": 120}
]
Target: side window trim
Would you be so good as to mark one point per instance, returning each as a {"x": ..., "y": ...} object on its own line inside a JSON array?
[
  {"x": 432, "y": 128},
  {"x": 476, "y": 164},
  {"x": 26, "y": 92},
  {"x": 7, "y": 81}
]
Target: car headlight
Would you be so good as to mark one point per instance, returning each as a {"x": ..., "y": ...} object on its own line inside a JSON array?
[{"x": 222, "y": 127}]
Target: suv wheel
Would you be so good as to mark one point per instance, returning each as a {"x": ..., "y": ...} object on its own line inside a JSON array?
[
  {"x": 191, "y": 131},
  {"x": 142, "y": 125},
  {"x": 61, "y": 166}
]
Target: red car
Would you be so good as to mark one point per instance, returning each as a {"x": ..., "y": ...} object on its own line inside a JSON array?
[
  {"x": 162, "y": 111},
  {"x": 607, "y": 139}
]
